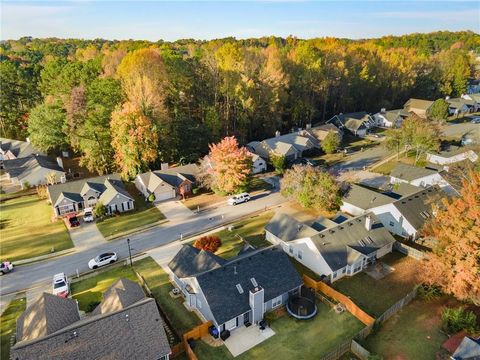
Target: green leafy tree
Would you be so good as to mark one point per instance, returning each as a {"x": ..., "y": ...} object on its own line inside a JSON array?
[
  {"x": 394, "y": 140},
  {"x": 331, "y": 142},
  {"x": 420, "y": 135},
  {"x": 279, "y": 163},
  {"x": 439, "y": 110},
  {"x": 100, "y": 210},
  {"x": 311, "y": 188},
  {"x": 46, "y": 125}
]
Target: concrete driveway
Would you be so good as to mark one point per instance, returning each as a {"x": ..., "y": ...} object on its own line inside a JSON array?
[
  {"x": 86, "y": 236},
  {"x": 174, "y": 209},
  {"x": 361, "y": 159}
]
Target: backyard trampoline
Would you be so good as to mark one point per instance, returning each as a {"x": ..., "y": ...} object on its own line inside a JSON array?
[{"x": 302, "y": 306}]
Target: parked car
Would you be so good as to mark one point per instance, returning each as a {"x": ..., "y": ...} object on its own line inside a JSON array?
[
  {"x": 88, "y": 215},
  {"x": 6, "y": 267},
  {"x": 60, "y": 285},
  {"x": 475, "y": 120},
  {"x": 102, "y": 259},
  {"x": 72, "y": 221},
  {"x": 308, "y": 162},
  {"x": 238, "y": 199}
]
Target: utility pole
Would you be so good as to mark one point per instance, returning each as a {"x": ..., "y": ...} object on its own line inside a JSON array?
[{"x": 129, "y": 252}]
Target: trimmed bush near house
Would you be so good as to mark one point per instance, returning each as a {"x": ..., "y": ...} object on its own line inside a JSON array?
[{"x": 457, "y": 319}]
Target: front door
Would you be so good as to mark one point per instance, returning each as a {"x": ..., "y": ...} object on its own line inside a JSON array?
[
  {"x": 230, "y": 325},
  {"x": 246, "y": 317}
]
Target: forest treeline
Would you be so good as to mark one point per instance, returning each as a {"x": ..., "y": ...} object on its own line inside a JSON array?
[{"x": 141, "y": 103}]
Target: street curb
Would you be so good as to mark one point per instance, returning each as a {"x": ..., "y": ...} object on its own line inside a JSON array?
[{"x": 44, "y": 257}]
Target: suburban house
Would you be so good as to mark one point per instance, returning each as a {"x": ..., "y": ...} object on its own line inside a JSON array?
[
  {"x": 458, "y": 106},
  {"x": 359, "y": 199},
  {"x": 34, "y": 170},
  {"x": 235, "y": 292},
  {"x": 418, "y": 107},
  {"x": 452, "y": 155},
  {"x": 330, "y": 249},
  {"x": 259, "y": 165},
  {"x": 390, "y": 118},
  {"x": 125, "y": 325},
  {"x": 357, "y": 123},
  {"x": 321, "y": 131},
  {"x": 74, "y": 196},
  {"x": 473, "y": 86},
  {"x": 14, "y": 149},
  {"x": 292, "y": 146},
  {"x": 475, "y": 98},
  {"x": 168, "y": 183},
  {"x": 418, "y": 176},
  {"x": 406, "y": 216}
]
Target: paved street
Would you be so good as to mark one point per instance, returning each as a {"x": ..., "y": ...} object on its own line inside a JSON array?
[
  {"x": 361, "y": 159},
  {"x": 31, "y": 275}
]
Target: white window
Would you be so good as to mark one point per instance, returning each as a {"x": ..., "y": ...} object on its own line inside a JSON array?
[
  {"x": 300, "y": 254},
  {"x": 277, "y": 302},
  {"x": 391, "y": 223},
  {"x": 290, "y": 249},
  {"x": 232, "y": 324},
  {"x": 334, "y": 275}
]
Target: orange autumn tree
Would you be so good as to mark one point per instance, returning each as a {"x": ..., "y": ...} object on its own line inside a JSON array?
[
  {"x": 454, "y": 265},
  {"x": 134, "y": 139},
  {"x": 231, "y": 166}
]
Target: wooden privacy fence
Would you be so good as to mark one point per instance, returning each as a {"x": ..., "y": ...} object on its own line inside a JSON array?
[
  {"x": 196, "y": 333},
  {"x": 408, "y": 250},
  {"x": 397, "y": 306},
  {"x": 334, "y": 294},
  {"x": 359, "y": 350}
]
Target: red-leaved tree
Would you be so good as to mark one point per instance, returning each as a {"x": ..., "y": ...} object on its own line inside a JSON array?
[
  {"x": 208, "y": 243},
  {"x": 454, "y": 265}
]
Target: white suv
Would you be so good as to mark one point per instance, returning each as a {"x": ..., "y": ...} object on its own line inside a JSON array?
[
  {"x": 88, "y": 215},
  {"x": 60, "y": 285},
  {"x": 239, "y": 198}
]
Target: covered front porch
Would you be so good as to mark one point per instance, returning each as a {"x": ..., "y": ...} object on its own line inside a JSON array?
[{"x": 245, "y": 338}]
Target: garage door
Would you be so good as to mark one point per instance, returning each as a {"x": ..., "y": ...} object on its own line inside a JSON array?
[
  {"x": 232, "y": 324},
  {"x": 164, "y": 196}
]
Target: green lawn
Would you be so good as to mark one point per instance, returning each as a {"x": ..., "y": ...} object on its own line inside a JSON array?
[
  {"x": 413, "y": 333},
  {"x": 28, "y": 231},
  {"x": 8, "y": 322},
  {"x": 144, "y": 214},
  {"x": 89, "y": 291},
  {"x": 250, "y": 230},
  {"x": 157, "y": 280},
  {"x": 295, "y": 339},
  {"x": 376, "y": 296}
]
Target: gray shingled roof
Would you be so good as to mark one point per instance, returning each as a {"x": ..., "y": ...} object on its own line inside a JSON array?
[
  {"x": 22, "y": 167},
  {"x": 410, "y": 172},
  {"x": 48, "y": 314},
  {"x": 417, "y": 208},
  {"x": 365, "y": 198},
  {"x": 288, "y": 228},
  {"x": 270, "y": 267},
  {"x": 18, "y": 148},
  {"x": 126, "y": 325},
  {"x": 121, "y": 294},
  {"x": 135, "y": 332},
  {"x": 73, "y": 189},
  {"x": 352, "y": 121},
  {"x": 190, "y": 261},
  {"x": 418, "y": 104}
]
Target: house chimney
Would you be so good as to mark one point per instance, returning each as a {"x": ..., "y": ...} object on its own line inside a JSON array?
[
  {"x": 277, "y": 133},
  {"x": 383, "y": 111},
  {"x": 308, "y": 126},
  {"x": 60, "y": 161},
  {"x": 28, "y": 139},
  {"x": 163, "y": 166},
  {"x": 368, "y": 222}
]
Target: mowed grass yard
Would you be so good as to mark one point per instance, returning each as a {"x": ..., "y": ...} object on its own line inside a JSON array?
[
  {"x": 89, "y": 291},
  {"x": 8, "y": 322},
  {"x": 145, "y": 214},
  {"x": 412, "y": 333},
  {"x": 295, "y": 339},
  {"x": 376, "y": 296},
  {"x": 250, "y": 230},
  {"x": 27, "y": 229}
]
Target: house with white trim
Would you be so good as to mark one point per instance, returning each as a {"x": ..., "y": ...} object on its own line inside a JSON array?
[
  {"x": 330, "y": 249},
  {"x": 419, "y": 176},
  {"x": 357, "y": 123},
  {"x": 418, "y": 106},
  {"x": 390, "y": 118}
]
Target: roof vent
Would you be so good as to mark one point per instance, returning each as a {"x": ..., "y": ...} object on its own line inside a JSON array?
[
  {"x": 235, "y": 270},
  {"x": 126, "y": 317},
  {"x": 239, "y": 288}
]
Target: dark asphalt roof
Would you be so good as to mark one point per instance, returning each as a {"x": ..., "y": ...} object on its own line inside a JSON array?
[
  {"x": 410, "y": 172},
  {"x": 270, "y": 267},
  {"x": 128, "y": 327},
  {"x": 365, "y": 198},
  {"x": 176, "y": 175},
  {"x": 73, "y": 189},
  {"x": 17, "y": 147},
  {"x": 48, "y": 314},
  {"x": 22, "y": 167},
  {"x": 417, "y": 208},
  {"x": 191, "y": 261},
  {"x": 288, "y": 228}
]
